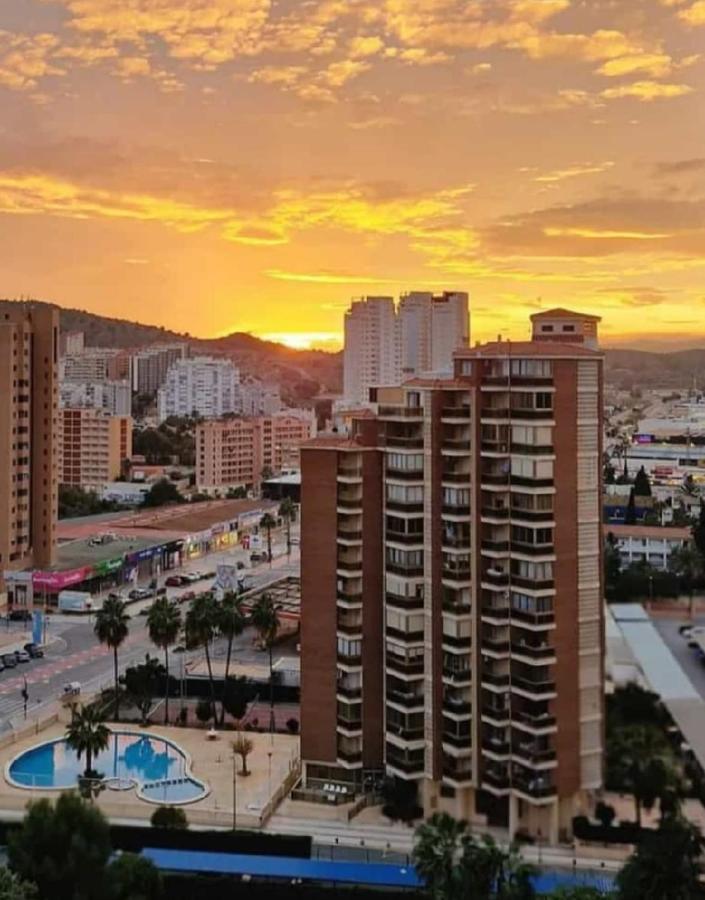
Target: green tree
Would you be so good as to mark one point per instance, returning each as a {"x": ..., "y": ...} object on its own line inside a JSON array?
[
  {"x": 161, "y": 493},
  {"x": 698, "y": 532},
  {"x": 641, "y": 761},
  {"x": 265, "y": 618},
  {"x": 642, "y": 484},
  {"x": 665, "y": 865},
  {"x": 134, "y": 877},
  {"x": 630, "y": 514},
  {"x": 235, "y": 696},
  {"x": 268, "y": 522},
  {"x": 13, "y": 888},
  {"x": 231, "y": 624},
  {"x": 142, "y": 684},
  {"x": 111, "y": 628},
  {"x": 287, "y": 512},
  {"x": 687, "y": 564},
  {"x": 613, "y": 566},
  {"x": 172, "y": 817},
  {"x": 201, "y": 628},
  {"x": 87, "y": 734},
  {"x": 164, "y": 625},
  {"x": 63, "y": 848},
  {"x": 581, "y": 892}
]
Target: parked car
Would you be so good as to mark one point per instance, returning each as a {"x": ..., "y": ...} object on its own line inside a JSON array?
[
  {"x": 2, "y": 666},
  {"x": 258, "y": 556},
  {"x": 141, "y": 594},
  {"x": 20, "y": 615},
  {"x": 22, "y": 656},
  {"x": 115, "y": 595},
  {"x": 175, "y": 581},
  {"x": 187, "y": 596},
  {"x": 9, "y": 660},
  {"x": 192, "y": 577},
  {"x": 34, "y": 651}
]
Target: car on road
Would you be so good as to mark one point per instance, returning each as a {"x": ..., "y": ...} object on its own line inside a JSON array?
[
  {"x": 258, "y": 556},
  {"x": 187, "y": 596},
  {"x": 192, "y": 577},
  {"x": 9, "y": 660},
  {"x": 175, "y": 581},
  {"x": 115, "y": 595},
  {"x": 22, "y": 656},
  {"x": 34, "y": 651},
  {"x": 141, "y": 594},
  {"x": 20, "y": 615}
]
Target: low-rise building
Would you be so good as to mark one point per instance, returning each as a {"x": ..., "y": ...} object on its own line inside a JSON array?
[
  {"x": 235, "y": 452},
  {"x": 647, "y": 543},
  {"x": 92, "y": 447}
]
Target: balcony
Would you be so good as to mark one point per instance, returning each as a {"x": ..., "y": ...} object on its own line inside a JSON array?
[
  {"x": 496, "y": 479},
  {"x": 534, "y": 721},
  {"x": 456, "y": 573},
  {"x": 460, "y": 444},
  {"x": 533, "y": 449},
  {"x": 351, "y": 725},
  {"x": 413, "y": 637},
  {"x": 407, "y": 571},
  {"x": 457, "y": 642},
  {"x": 457, "y": 706},
  {"x": 531, "y": 414},
  {"x": 495, "y": 746},
  {"x": 404, "y": 537},
  {"x": 345, "y": 534},
  {"x": 495, "y": 612},
  {"x": 404, "y": 506},
  {"x": 404, "y": 442},
  {"x": 538, "y": 516},
  {"x": 402, "y": 601},
  {"x": 461, "y": 741},
  {"x": 403, "y": 733},
  {"x": 404, "y": 764},
  {"x": 400, "y": 412},
  {"x": 345, "y": 502},
  {"x": 535, "y": 787},
  {"x": 495, "y": 714},
  {"x": 349, "y": 659},
  {"x": 403, "y": 665},
  {"x": 455, "y": 412},
  {"x": 407, "y": 699},
  {"x": 352, "y": 757},
  {"x": 495, "y": 577},
  {"x": 499, "y": 448},
  {"x": 533, "y": 651},
  {"x": 537, "y": 688},
  {"x": 458, "y": 676},
  {"x": 451, "y": 477},
  {"x": 457, "y": 609},
  {"x": 495, "y": 779},
  {"x": 532, "y": 755},
  {"x": 403, "y": 474},
  {"x": 352, "y": 597},
  {"x": 494, "y": 412},
  {"x": 456, "y": 509},
  {"x": 527, "y": 619},
  {"x": 520, "y": 481},
  {"x": 456, "y": 541},
  {"x": 495, "y": 679},
  {"x": 349, "y": 565},
  {"x": 533, "y": 549},
  {"x": 497, "y": 645},
  {"x": 495, "y": 546},
  {"x": 349, "y": 627},
  {"x": 495, "y": 512},
  {"x": 348, "y": 691},
  {"x": 457, "y": 774},
  {"x": 532, "y": 584}
]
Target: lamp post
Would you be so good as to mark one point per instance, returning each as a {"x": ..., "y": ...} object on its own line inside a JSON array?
[{"x": 234, "y": 791}]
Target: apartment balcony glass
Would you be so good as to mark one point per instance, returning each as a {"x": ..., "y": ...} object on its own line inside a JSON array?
[
  {"x": 405, "y": 466},
  {"x": 408, "y": 563},
  {"x": 457, "y": 667},
  {"x": 409, "y": 664},
  {"x": 409, "y": 762},
  {"x": 402, "y": 694}
]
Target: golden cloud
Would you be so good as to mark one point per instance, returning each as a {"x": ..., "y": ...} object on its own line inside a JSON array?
[
  {"x": 574, "y": 172},
  {"x": 647, "y": 91},
  {"x": 695, "y": 14}
]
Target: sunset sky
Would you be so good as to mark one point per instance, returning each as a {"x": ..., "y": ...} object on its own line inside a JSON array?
[{"x": 251, "y": 165}]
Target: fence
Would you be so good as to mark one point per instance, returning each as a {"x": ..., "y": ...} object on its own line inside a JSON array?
[{"x": 281, "y": 792}]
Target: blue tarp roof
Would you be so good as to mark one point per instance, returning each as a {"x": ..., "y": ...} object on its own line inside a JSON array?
[{"x": 372, "y": 874}]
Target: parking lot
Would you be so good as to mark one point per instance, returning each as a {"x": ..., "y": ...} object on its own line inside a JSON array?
[{"x": 688, "y": 658}]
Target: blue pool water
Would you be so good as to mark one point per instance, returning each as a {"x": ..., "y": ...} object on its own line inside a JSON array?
[{"x": 157, "y": 767}]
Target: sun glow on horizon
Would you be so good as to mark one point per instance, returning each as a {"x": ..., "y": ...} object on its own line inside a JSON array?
[{"x": 305, "y": 340}]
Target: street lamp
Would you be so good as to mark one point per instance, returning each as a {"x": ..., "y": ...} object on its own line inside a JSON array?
[{"x": 234, "y": 791}]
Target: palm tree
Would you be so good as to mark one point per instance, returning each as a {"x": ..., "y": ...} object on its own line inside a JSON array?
[
  {"x": 87, "y": 733},
  {"x": 287, "y": 511},
  {"x": 111, "y": 628},
  {"x": 436, "y": 854},
  {"x": 231, "y": 623},
  {"x": 643, "y": 762},
  {"x": 265, "y": 618},
  {"x": 268, "y": 522},
  {"x": 201, "y": 627},
  {"x": 164, "y": 625}
]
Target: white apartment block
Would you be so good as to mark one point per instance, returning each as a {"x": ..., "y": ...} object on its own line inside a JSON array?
[
  {"x": 384, "y": 344},
  {"x": 209, "y": 387},
  {"x": 647, "y": 543},
  {"x": 94, "y": 364},
  {"x": 258, "y": 398},
  {"x": 114, "y": 397}
]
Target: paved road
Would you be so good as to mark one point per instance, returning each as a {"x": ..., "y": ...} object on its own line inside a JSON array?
[{"x": 73, "y": 653}]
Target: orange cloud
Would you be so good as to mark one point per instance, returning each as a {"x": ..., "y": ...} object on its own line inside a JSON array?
[{"x": 647, "y": 91}]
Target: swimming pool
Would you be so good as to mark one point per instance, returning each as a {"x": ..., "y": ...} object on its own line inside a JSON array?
[{"x": 158, "y": 768}]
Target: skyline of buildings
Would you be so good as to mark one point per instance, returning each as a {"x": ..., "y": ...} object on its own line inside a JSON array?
[
  {"x": 451, "y": 585},
  {"x": 384, "y": 341}
]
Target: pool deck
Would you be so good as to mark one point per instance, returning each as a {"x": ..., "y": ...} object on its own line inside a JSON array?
[{"x": 273, "y": 764}]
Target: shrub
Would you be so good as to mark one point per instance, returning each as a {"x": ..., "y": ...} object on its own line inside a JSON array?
[
  {"x": 204, "y": 711},
  {"x": 605, "y": 814},
  {"x": 169, "y": 817},
  {"x": 292, "y": 726}
]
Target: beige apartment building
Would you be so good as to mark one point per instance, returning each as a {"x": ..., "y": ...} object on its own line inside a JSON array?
[
  {"x": 92, "y": 447},
  {"x": 29, "y": 337},
  {"x": 236, "y": 451},
  {"x": 452, "y": 617}
]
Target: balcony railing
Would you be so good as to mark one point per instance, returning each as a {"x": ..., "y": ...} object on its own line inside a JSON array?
[
  {"x": 461, "y": 775},
  {"x": 352, "y": 693},
  {"x": 533, "y": 449},
  {"x": 520, "y": 481},
  {"x": 408, "y": 764},
  {"x": 401, "y": 412},
  {"x": 491, "y": 611},
  {"x": 455, "y": 412},
  {"x": 458, "y": 676},
  {"x": 347, "y": 535},
  {"x": 349, "y": 724},
  {"x": 535, "y": 651},
  {"x": 404, "y": 537},
  {"x": 403, "y": 601},
  {"x": 407, "y": 636},
  {"x": 456, "y": 509},
  {"x": 457, "y": 707},
  {"x": 492, "y": 576},
  {"x": 463, "y": 741},
  {"x": 350, "y": 659},
  {"x": 404, "y": 506},
  {"x": 533, "y": 755},
  {"x": 408, "y": 571},
  {"x": 533, "y": 549},
  {"x": 538, "y": 788},
  {"x": 496, "y": 714},
  {"x": 408, "y": 699},
  {"x": 456, "y": 573},
  {"x": 403, "y": 665},
  {"x": 534, "y": 720},
  {"x": 532, "y": 515},
  {"x": 455, "y": 444},
  {"x": 406, "y": 734},
  {"x": 501, "y": 447},
  {"x": 349, "y": 627},
  {"x": 350, "y": 756},
  {"x": 455, "y": 477},
  {"x": 533, "y": 687},
  {"x": 496, "y": 546},
  {"x": 532, "y": 584},
  {"x": 413, "y": 443},
  {"x": 495, "y": 478},
  {"x": 349, "y": 502},
  {"x": 496, "y": 779},
  {"x": 498, "y": 680},
  {"x": 456, "y": 540},
  {"x": 493, "y": 745},
  {"x": 524, "y": 617},
  {"x": 494, "y": 412},
  {"x": 404, "y": 474},
  {"x": 349, "y": 565},
  {"x": 495, "y": 512},
  {"x": 533, "y": 414},
  {"x": 495, "y": 644}
]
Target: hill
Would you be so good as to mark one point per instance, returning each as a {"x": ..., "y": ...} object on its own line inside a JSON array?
[
  {"x": 301, "y": 374},
  {"x": 640, "y": 368}
]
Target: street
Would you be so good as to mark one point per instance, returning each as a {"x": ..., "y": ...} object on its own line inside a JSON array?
[{"x": 73, "y": 653}]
